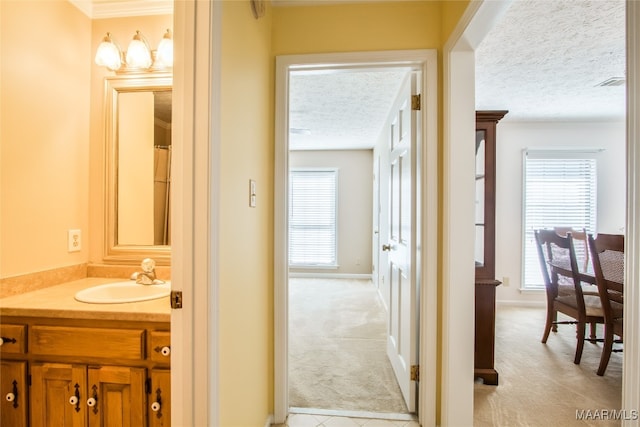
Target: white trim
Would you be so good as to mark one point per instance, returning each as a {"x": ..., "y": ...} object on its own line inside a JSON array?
[
  {"x": 458, "y": 194},
  {"x": 331, "y": 276},
  {"x": 269, "y": 421},
  {"x": 118, "y": 9},
  {"x": 631, "y": 364},
  {"x": 519, "y": 303},
  {"x": 426, "y": 61},
  {"x": 194, "y": 370},
  {"x": 391, "y": 416}
]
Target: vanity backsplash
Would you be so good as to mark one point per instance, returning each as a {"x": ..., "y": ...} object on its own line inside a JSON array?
[{"x": 31, "y": 282}]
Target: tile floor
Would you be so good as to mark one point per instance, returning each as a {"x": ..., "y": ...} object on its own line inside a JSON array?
[{"x": 309, "y": 420}]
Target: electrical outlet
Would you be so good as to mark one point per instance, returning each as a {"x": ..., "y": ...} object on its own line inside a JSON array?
[
  {"x": 74, "y": 240},
  {"x": 505, "y": 281}
]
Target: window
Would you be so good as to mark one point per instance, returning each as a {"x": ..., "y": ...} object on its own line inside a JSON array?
[
  {"x": 559, "y": 191},
  {"x": 312, "y": 217}
]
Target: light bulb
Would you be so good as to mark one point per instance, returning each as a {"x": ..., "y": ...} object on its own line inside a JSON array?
[
  {"x": 164, "y": 54},
  {"x": 108, "y": 54},
  {"x": 138, "y": 54}
]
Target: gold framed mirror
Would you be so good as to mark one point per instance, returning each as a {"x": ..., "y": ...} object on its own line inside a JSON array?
[{"x": 138, "y": 168}]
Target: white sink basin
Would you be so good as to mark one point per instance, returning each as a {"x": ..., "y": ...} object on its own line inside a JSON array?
[{"x": 121, "y": 292}]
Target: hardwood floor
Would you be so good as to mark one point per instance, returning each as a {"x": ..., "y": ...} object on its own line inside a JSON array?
[{"x": 539, "y": 383}]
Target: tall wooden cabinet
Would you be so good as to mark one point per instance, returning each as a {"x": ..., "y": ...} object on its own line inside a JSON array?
[{"x": 485, "y": 283}]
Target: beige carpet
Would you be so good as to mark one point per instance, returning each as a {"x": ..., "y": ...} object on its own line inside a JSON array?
[
  {"x": 337, "y": 348},
  {"x": 539, "y": 383}
]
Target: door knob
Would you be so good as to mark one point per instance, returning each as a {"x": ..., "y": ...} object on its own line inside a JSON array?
[{"x": 386, "y": 247}]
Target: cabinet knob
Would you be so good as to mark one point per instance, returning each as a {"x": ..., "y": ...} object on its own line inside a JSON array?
[
  {"x": 4, "y": 340},
  {"x": 73, "y": 400},
  {"x": 155, "y": 406},
  {"x": 10, "y": 397},
  {"x": 91, "y": 402},
  {"x": 166, "y": 350}
]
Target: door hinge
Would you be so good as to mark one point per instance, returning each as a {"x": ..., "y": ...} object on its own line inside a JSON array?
[
  {"x": 415, "y": 372},
  {"x": 176, "y": 299},
  {"x": 415, "y": 102}
]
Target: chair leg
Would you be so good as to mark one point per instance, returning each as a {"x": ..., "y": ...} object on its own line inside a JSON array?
[
  {"x": 551, "y": 316},
  {"x": 592, "y": 336},
  {"x": 554, "y": 326},
  {"x": 580, "y": 329},
  {"x": 606, "y": 350}
]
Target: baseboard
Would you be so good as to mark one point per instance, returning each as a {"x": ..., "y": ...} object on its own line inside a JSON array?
[
  {"x": 269, "y": 421},
  {"x": 355, "y": 414},
  {"x": 519, "y": 303},
  {"x": 330, "y": 276}
]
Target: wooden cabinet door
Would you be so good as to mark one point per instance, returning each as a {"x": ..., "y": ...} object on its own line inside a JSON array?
[
  {"x": 119, "y": 397},
  {"x": 58, "y": 393},
  {"x": 13, "y": 390},
  {"x": 160, "y": 398}
]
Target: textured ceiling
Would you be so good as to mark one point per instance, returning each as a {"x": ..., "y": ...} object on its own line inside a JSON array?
[
  {"x": 544, "y": 60},
  {"x": 340, "y": 109}
]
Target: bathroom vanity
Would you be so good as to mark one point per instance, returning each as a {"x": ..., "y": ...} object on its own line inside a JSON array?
[{"x": 84, "y": 364}]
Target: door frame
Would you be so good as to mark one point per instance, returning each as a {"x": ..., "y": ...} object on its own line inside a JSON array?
[{"x": 426, "y": 61}]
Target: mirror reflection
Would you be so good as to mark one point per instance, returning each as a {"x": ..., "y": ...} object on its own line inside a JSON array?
[
  {"x": 144, "y": 167},
  {"x": 138, "y": 137}
]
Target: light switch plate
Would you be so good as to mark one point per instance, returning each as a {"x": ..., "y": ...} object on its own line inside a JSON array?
[{"x": 252, "y": 193}]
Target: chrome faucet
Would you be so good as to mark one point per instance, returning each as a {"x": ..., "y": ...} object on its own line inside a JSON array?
[{"x": 148, "y": 274}]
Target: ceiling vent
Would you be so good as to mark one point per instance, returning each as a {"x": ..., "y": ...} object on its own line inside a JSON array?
[{"x": 613, "y": 81}]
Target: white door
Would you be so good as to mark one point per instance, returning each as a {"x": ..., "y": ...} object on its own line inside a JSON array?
[{"x": 402, "y": 322}]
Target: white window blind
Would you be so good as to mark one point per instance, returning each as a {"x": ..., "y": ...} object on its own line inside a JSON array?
[
  {"x": 559, "y": 191},
  {"x": 312, "y": 218}
]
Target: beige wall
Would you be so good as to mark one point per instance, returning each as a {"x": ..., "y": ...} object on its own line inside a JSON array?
[
  {"x": 52, "y": 133},
  {"x": 511, "y": 139},
  {"x": 355, "y": 205},
  {"x": 44, "y": 134},
  {"x": 246, "y": 236}
]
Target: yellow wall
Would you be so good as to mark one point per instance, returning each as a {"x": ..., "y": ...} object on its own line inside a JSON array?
[
  {"x": 246, "y": 236},
  {"x": 44, "y": 134},
  {"x": 356, "y": 27},
  {"x": 370, "y": 26}
]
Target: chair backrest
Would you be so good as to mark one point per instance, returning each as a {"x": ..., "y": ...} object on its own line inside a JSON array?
[
  {"x": 558, "y": 250},
  {"x": 607, "y": 252},
  {"x": 578, "y": 235}
]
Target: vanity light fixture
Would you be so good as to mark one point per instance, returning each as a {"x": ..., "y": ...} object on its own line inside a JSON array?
[{"x": 138, "y": 57}]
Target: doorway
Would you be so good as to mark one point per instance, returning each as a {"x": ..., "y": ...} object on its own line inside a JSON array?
[{"x": 425, "y": 186}]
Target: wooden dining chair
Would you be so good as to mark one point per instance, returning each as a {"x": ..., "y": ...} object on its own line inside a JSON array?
[
  {"x": 607, "y": 252},
  {"x": 579, "y": 237},
  {"x": 558, "y": 259}
]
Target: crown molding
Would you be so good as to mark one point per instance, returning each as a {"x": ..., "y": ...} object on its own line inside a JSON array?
[{"x": 99, "y": 9}]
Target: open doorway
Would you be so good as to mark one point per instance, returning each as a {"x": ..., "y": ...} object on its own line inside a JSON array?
[
  {"x": 404, "y": 199},
  {"x": 339, "y": 319}
]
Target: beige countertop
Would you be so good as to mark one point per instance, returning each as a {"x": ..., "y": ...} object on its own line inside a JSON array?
[{"x": 58, "y": 302}]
